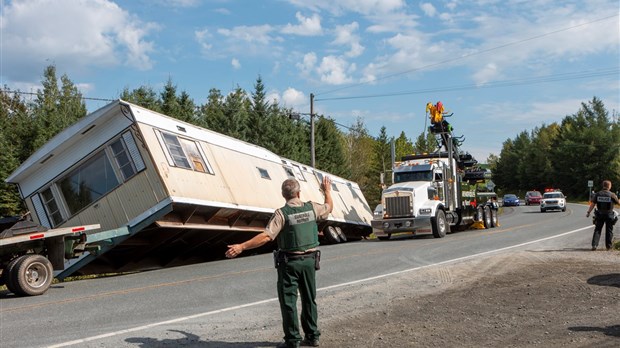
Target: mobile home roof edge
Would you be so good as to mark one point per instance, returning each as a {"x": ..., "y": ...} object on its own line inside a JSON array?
[{"x": 45, "y": 150}]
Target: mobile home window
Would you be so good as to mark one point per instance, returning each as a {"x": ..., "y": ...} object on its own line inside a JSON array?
[
  {"x": 53, "y": 211},
  {"x": 289, "y": 172},
  {"x": 121, "y": 156},
  {"x": 185, "y": 153},
  {"x": 88, "y": 182},
  {"x": 263, "y": 173}
]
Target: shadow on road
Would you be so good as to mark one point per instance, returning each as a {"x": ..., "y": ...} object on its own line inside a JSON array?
[
  {"x": 613, "y": 330},
  {"x": 612, "y": 279},
  {"x": 191, "y": 341}
]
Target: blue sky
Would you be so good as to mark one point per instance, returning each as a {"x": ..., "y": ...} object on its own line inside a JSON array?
[{"x": 500, "y": 66}]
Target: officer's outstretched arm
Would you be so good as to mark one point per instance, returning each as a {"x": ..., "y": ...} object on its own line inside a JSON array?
[{"x": 259, "y": 240}]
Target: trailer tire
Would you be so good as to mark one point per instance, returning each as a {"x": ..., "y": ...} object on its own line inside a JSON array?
[
  {"x": 7, "y": 274},
  {"x": 33, "y": 275},
  {"x": 439, "y": 224},
  {"x": 488, "y": 217},
  {"x": 332, "y": 235},
  {"x": 341, "y": 235}
]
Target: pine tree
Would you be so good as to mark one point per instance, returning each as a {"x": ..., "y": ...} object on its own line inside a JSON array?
[
  {"x": 211, "y": 114},
  {"x": 258, "y": 130},
  {"x": 236, "y": 106},
  {"x": 143, "y": 96},
  {"x": 329, "y": 151}
]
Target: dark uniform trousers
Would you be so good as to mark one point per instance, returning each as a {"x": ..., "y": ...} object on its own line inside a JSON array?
[
  {"x": 298, "y": 274},
  {"x": 606, "y": 218}
]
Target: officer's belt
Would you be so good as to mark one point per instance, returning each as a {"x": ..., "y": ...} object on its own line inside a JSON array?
[{"x": 293, "y": 256}]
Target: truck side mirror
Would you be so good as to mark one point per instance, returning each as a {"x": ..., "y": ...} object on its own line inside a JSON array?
[{"x": 432, "y": 192}]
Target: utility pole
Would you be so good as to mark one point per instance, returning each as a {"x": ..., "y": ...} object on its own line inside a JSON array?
[{"x": 312, "y": 160}]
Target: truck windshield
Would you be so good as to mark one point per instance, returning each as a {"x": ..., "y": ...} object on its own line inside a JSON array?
[{"x": 426, "y": 175}]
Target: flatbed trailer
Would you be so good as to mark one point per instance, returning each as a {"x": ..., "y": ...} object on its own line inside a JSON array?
[{"x": 30, "y": 253}]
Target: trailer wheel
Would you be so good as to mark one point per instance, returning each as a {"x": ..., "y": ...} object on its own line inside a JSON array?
[
  {"x": 8, "y": 273},
  {"x": 33, "y": 275},
  {"x": 332, "y": 235},
  {"x": 439, "y": 224},
  {"x": 341, "y": 235},
  {"x": 488, "y": 218}
]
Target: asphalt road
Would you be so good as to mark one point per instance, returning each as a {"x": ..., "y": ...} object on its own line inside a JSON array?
[{"x": 139, "y": 310}]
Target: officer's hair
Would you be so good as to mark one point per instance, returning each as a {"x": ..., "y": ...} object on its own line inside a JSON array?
[
  {"x": 290, "y": 188},
  {"x": 606, "y": 184}
]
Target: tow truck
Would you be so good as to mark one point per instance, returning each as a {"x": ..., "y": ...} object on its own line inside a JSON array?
[{"x": 437, "y": 192}]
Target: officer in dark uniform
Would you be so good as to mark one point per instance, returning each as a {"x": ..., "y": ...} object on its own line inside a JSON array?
[
  {"x": 604, "y": 201},
  {"x": 294, "y": 228}
]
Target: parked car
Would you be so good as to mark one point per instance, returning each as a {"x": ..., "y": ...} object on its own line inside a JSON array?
[
  {"x": 510, "y": 200},
  {"x": 553, "y": 201},
  {"x": 532, "y": 197}
]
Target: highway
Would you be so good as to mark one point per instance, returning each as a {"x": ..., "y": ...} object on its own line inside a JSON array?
[{"x": 217, "y": 299}]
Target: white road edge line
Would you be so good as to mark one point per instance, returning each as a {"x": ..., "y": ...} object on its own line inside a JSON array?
[{"x": 199, "y": 315}]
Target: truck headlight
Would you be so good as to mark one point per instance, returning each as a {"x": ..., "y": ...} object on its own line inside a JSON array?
[
  {"x": 386, "y": 225},
  {"x": 425, "y": 211},
  {"x": 407, "y": 223}
]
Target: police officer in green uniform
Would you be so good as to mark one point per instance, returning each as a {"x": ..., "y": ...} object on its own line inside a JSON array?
[
  {"x": 604, "y": 201},
  {"x": 294, "y": 228}
]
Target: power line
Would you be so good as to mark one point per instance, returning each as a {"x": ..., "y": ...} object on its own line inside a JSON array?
[
  {"x": 467, "y": 55},
  {"x": 33, "y": 93},
  {"x": 506, "y": 83}
]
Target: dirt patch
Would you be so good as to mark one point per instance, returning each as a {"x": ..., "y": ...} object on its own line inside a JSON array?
[{"x": 524, "y": 299}]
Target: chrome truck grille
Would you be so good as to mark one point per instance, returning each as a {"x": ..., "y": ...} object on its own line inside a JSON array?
[{"x": 398, "y": 206}]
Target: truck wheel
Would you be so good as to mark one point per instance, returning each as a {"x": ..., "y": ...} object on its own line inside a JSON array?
[
  {"x": 494, "y": 218},
  {"x": 341, "y": 235},
  {"x": 332, "y": 235},
  {"x": 488, "y": 218},
  {"x": 439, "y": 224},
  {"x": 479, "y": 214},
  {"x": 33, "y": 275}
]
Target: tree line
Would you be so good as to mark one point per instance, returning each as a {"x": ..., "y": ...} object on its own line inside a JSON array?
[
  {"x": 530, "y": 160},
  {"x": 584, "y": 146}
]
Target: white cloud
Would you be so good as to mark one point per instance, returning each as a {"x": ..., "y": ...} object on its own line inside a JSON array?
[
  {"x": 346, "y": 35},
  {"x": 70, "y": 34},
  {"x": 308, "y": 26},
  {"x": 335, "y": 70},
  {"x": 488, "y": 73},
  {"x": 293, "y": 98},
  {"x": 253, "y": 34},
  {"x": 202, "y": 37},
  {"x": 290, "y": 98},
  {"x": 428, "y": 9},
  {"x": 359, "y": 6},
  {"x": 308, "y": 63},
  {"x": 235, "y": 64}
]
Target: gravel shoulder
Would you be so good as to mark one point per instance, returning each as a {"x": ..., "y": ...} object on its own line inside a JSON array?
[{"x": 568, "y": 298}]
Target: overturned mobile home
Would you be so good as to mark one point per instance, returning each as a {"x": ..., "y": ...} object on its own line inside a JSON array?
[{"x": 167, "y": 192}]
